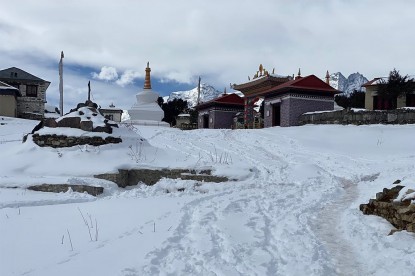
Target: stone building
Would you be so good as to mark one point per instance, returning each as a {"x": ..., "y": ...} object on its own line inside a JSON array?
[
  {"x": 285, "y": 97},
  {"x": 374, "y": 102},
  {"x": 112, "y": 113},
  {"x": 219, "y": 112},
  {"x": 31, "y": 102}
]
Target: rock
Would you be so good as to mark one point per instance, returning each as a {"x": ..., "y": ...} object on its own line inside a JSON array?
[
  {"x": 59, "y": 188},
  {"x": 393, "y": 231},
  {"x": 50, "y": 122},
  {"x": 410, "y": 227},
  {"x": 149, "y": 177},
  {"x": 401, "y": 214},
  {"x": 72, "y": 122},
  {"x": 86, "y": 125},
  {"x": 397, "y": 181}
]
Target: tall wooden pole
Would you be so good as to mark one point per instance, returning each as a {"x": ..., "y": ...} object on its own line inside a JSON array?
[
  {"x": 61, "y": 83},
  {"x": 198, "y": 92}
]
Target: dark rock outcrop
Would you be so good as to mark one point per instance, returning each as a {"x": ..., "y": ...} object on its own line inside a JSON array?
[{"x": 59, "y": 188}]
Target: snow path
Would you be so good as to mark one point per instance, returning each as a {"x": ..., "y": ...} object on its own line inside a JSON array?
[
  {"x": 293, "y": 208},
  {"x": 327, "y": 229},
  {"x": 265, "y": 207}
]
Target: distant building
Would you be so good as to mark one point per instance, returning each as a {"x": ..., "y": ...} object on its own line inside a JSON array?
[
  {"x": 285, "y": 97},
  {"x": 374, "y": 102},
  {"x": 30, "y": 103},
  {"x": 183, "y": 121},
  {"x": 219, "y": 112},
  {"x": 111, "y": 113}
]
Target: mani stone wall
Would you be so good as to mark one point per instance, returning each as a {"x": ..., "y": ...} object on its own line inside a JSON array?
[
  {"x": 360, "y": 117},
  {"x": 150, "y": 177},
  {"x": 63, "y": 141},
  {"x": 62, "y": 188},
  {"x": 400, "y": 214}
]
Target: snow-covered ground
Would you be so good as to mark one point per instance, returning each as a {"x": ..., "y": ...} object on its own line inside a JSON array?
[{"x": 292, "y": 210}]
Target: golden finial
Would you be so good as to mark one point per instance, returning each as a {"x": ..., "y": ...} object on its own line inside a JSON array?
[{"x": 327, "y": 77}]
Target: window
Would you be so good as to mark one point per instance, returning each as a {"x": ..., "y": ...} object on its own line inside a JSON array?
[
  {"x": 31, "y": 90},
  {"x": 410, "y": 100},
  {"x": 109, "y": 117}
]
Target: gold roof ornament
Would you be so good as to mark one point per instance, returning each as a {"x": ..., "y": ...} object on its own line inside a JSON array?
[
  {"x": 261, "y": 68},
  {"x": 273, "y": 71}
]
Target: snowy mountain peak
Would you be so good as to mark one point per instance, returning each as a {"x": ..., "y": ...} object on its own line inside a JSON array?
[
  {"x": 349, "y": 84},
  {"x": 207, "y": 93}
]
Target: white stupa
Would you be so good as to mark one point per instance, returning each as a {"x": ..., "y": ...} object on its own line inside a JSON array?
[{"x": 146, "y": 110}]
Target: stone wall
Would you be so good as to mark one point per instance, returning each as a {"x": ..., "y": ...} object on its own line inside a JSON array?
[
  {"x": 361, "y": 117},
  {"x": 399, "y": 214},
  {"x": 62, "y": 141},
  {"x": 132, "y": 177},
  {"x": 62, "y": 188}
]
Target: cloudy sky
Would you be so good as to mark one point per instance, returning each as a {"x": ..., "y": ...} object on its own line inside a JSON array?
[{"x": 110, "y": 42}]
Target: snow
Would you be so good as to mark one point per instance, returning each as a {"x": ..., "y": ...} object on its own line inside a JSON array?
[
  {"x": 348, "y": 85},
  {"x": 318, "y": 112},
  {"x": 293, "y": 208},
  {"x": 207, "y": 93},
  {"x": 86, "y": 114}
]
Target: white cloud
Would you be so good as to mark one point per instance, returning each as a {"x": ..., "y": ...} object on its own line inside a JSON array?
[
  {"x": 191, "y": 38},
  {"x": 128, "y": 77},
  {"x": 107, "y": 73}
]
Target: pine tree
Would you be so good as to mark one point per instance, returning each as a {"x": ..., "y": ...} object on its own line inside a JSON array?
[
  {"x": 172, "y": 109},
  {"x": 396, "y": 86}
]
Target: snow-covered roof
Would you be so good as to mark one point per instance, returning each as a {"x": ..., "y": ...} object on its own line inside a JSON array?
[{"x": 6, "y": 89}]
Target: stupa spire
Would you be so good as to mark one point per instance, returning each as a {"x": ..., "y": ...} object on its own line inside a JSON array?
[
  {"x": 327, "y": 77},
  {"x": 299, "y": 74},
  {"x": 147, "y": 80}
]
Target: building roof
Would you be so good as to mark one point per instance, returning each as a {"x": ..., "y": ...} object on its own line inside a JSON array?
[
  {"x": 14, "y": 73},
  {"x": 262, "y": 79},
  {"x": 375, "y": 81},
  {"x": 6, "y": 89},
  {"x": 227, "y": 99},
  {"x": 111, "y": 110},
  {"x": 310, "y": 82}
]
